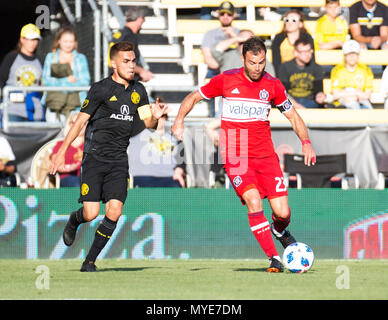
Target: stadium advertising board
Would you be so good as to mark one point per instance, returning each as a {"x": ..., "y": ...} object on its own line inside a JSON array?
[
  {"x": 367, "y": 238},
  {"x": 192, "y": 224}
]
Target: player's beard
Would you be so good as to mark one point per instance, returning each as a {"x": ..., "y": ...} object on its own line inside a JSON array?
[
  {"x": 254, "y": 76},
  {"x": 125, "y": 77}
]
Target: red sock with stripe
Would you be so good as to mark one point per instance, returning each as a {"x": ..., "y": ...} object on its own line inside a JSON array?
[{"x": 261, "y": 230}]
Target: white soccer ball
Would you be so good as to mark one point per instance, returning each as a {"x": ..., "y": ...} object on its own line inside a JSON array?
[{"x": 298, "y": 257}]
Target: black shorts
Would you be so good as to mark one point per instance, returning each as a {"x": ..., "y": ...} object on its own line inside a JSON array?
[{"x": 103, "y": 181}]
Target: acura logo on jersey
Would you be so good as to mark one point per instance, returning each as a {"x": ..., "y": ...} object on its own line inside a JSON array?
[{"x": 124, "y": 109}]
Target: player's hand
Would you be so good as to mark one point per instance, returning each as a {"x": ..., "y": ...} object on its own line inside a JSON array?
[
  {"x": 309, "y": 154},
  {"x": 179, "y": 176},
  {"x": 57, "y": 163},
  {"x": 158, "y": 109},
  {"x": 146, "y": 75},
  {"x": 177, "y": 130}
]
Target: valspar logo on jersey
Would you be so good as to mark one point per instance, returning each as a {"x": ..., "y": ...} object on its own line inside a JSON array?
[
  {"x": 367, "y": 238},
  {"x": 235, "y": 109},
  {"x": 124, "y": 109}
]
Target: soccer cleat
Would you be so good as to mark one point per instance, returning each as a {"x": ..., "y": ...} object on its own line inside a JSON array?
[
  {"x": 69, "y": 233},
  {"x": 88, "y": 266},
  {"x": 275, "y": 266},
  {"x": 285, "y": 238}
]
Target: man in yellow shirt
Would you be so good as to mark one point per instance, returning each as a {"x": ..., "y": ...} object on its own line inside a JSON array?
[
  {"x": 351, "y": 81},
  {"x": 332, "y": 30}
]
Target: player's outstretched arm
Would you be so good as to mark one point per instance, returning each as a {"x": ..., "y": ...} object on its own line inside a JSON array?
[
  {"x": 187, "y": 105},
  {"x": 301, "y": 130},
  {"x": 58, "y": 160},
  {"x": 157, "y": 110}
]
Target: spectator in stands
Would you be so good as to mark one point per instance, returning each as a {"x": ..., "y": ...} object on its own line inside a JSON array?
[
  {"x": 70, "y": 175},
  {"x": 7, "y": 164},
  {"x": 384, "y": 87},
  {"x": 226, "y": 14},
  {"x": 64, "y": 67},
  {"x": 332, "y": 29},
  {"x": 351, "y": 81},
  {"x": 134, "y": 22},
  {"x": 228, "y": 52},
  {"x": 283, "y": 43},
  {"x": 269, "y": 14},
  {"x": 302, "y": 77},
  {"x": 23, "y": 68},
  {"x": 368, "y": 20},
  {"x": 156, "y": 158}
]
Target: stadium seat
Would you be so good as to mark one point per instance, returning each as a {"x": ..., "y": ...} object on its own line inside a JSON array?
[
  {"x": 40, "y": 168},
  {"x": 334, "y": 57},
  {"x": 376, "y": 97},
  {"x": 383, "y": 171},
  {"x": 321, "y": 174}
]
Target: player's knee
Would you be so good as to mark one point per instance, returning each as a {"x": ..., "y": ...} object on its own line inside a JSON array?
[
  {"x": 282, "y": 212},
  {"x": 113, "y": 211},
  {"x": 90, "y": 213},
  {"x": 254, "y": 204}
]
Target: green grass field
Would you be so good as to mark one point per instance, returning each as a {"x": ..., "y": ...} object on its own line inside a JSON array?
[{"x": 193, "y": 280}]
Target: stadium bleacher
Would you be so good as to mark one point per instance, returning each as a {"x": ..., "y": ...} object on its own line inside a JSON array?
[{"x": 170, "y": 43}]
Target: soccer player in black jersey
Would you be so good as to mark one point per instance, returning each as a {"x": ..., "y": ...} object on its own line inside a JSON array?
[{"x": 115, "y": 109}]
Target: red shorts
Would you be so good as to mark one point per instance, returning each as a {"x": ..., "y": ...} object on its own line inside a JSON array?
[{"x": 263, "y": 174}]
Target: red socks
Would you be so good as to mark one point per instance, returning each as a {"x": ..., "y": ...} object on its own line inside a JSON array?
[
  {"x": 261, "y": 230},
  {"x": 280, "y": 224}
]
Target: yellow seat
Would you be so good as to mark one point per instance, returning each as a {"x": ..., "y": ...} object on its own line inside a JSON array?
[
  {"x": 327, "y": 85},
  {"x": 334, "y": 57}
]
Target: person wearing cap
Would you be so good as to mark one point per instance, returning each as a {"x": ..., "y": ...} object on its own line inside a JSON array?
[
  {"x": 351, "y": 81},
  {"x": 22, "y": 67},
  {"x": 226, "y": 14},
  {"x": 134, "y": 21},
  {"x": 368, "y": 22}
]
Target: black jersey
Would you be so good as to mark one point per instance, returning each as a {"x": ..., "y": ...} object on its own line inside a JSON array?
[{"x": 113, "y": 118}]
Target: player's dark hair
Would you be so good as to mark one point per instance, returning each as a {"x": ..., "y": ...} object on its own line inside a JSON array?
[
  {"x": 254, "y": 44},
  {"x": 120, "y": 46},
  {"x": 302, "y": 40},
  {"x": 331, "y": 1}
]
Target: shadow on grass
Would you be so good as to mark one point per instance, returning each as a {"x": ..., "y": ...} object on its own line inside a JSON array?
[
  {"x": 118, "y": 269},
  {"x": 251, "y": 269}
]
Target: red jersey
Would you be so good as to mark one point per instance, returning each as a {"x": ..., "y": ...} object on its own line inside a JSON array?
[{"x": 245, "y": 129}]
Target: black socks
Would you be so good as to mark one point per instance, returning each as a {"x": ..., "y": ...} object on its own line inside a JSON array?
[
  {"x": 77, "y": 217},
  {"x": 102, "y": 236}
]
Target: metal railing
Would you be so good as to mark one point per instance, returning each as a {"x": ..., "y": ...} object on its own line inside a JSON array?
[{"x": 30, "y": 124}]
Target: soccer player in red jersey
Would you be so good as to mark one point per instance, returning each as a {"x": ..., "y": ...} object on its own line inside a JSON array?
[{"x": 246, "y": 145}]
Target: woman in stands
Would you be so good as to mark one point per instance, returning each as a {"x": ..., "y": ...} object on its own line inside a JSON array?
[
  {"x": 66, "y": 67},
  {"x": 283, "y": 43}
]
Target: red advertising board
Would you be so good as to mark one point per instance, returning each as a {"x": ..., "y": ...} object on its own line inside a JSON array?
[{"x": 367, "y": 238}]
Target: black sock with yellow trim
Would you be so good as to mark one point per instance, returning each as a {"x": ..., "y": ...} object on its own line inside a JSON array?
[
  {"x": 102, "y": 236},
  {"x": 77, "y": 217}
]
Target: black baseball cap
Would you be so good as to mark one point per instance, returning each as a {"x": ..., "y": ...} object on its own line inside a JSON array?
[{"x": 227, "y": 7}]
